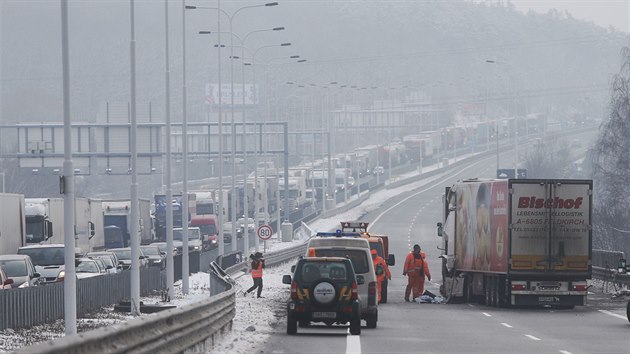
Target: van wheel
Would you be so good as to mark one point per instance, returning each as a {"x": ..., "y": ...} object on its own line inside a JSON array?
[
  {"x": 384, "y": 291},
  {"x": 291, "y": 325},
  {"x": 371, "y": 321}
]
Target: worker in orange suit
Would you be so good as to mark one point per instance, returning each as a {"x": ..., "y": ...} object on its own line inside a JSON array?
[
  {"x": 257, "y": 264},
  {"x": 416, "y": 268},
  {"x": 382, "y": 271}
]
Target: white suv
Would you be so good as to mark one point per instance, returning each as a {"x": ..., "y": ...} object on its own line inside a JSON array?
[{"x": 357, "y": 249}]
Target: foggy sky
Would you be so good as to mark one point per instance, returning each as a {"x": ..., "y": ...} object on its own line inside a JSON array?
[{"x": 604, "y": 13}]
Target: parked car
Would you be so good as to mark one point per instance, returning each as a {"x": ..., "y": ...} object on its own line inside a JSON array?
[
  {"x": 48, "y": 261},
  {"x": 194, "y": 239},
  {"x": 110, "y": 260},
  {"x": 5, "y": 282},
  {"x": 87, "y": 268},
  {"x": 124, "y": 257},
  {"x": 154, "y": 255},
  {"x": 251, "y": 224},
  {"x": 20, "y": 268},
  {"x": 227, "y": 229}
]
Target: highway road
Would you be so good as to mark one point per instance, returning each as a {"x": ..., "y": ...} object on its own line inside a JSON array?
[{"x": 457, "y": 328}]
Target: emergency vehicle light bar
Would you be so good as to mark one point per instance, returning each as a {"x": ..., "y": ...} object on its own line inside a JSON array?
[{"x": 338, "y": 234}]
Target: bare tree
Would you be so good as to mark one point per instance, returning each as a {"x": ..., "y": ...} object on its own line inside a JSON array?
[{"x": 611, "y": 168}]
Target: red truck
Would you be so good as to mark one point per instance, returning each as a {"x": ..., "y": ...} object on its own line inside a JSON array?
[{"x": 517, "y": 242}]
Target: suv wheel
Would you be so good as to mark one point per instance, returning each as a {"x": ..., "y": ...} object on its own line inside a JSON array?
[
  {"x": 291, "y": 324},
  {"x": 355, "y": 325}
]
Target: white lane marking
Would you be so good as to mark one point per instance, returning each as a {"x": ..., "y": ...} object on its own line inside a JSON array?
[
  {"x": 506, "y": 325},
  {"x": 487, "y": 314},
  {"x": 441, "y": 182},
  {"x": 565, "y": 352},
  {"x": 353, "y": 343},
  {"x": 613, "y": 314},
  {"x": 532, "y": 337}
]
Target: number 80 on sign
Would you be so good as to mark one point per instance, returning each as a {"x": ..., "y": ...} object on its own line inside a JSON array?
[{"x": 264, "y": 232}]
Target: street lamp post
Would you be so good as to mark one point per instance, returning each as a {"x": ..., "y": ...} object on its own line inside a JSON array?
[
  {"x": 244, "y": 135},
  {"x": 69, "y": 298},
  {"x": 230, "y": 18},
  {"x": 170, "y": 273}
]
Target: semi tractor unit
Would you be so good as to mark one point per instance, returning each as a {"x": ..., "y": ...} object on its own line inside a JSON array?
[
  {"x": 517, "y": 242},
  {"x": 44, "y": 219}
]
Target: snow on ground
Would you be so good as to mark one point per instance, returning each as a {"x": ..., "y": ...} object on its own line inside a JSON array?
[{"x": 255, "y": 318}]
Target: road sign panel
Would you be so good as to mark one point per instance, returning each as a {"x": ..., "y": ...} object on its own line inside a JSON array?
[{"x": 264, "y": 232}]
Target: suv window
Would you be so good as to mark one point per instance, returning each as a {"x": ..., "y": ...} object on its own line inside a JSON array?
[
  {"x": 358, "y": 257},
  {"x": 313, "y": 271}
]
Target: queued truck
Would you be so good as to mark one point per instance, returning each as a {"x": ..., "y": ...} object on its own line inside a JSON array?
[
  {"x": 12, "y": 223},
  {"x": 44, "y": 220},
  {"x": 117, "y": 222},
  {"x": 517, "y": 242}
]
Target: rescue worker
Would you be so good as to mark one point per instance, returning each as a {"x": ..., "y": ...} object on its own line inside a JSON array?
[
  {"x": 257, "y": 264},
  {"x": 415, "y": 268},
  {"x": 382, "y": 271}
]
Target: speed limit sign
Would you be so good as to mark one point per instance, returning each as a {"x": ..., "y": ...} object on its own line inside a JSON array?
[{"x": 264, "y": 232}]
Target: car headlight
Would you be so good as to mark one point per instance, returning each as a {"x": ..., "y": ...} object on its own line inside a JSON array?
[
  {"x": 61, "y": 276},
  {"x": 157, "y": 261},
  {"x": 214, "y": 241},
  {"x": 196, "y": 247},
  {"x": 24, "y": 285}
]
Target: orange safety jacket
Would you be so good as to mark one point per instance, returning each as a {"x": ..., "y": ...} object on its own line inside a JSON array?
[
  {"x": 417, "y": 267},
  {"x": 257, "y": 272},
  {"x": 378, "y": 260}
]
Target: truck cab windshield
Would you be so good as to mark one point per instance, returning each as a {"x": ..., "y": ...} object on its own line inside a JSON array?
[{"x": 35, "y": 229}]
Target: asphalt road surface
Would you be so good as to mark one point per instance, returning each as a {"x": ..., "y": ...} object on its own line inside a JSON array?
[{"x": 600, "y": 327}]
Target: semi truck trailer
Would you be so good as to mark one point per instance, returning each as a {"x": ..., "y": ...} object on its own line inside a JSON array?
[{"x": 517, "y": 242}]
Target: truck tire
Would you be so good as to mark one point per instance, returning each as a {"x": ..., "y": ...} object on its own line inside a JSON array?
[
  {"x": 384, "y": 292},
  {"x": 495, "y": 291},
  {"x": 291, "y": 325},
  {"x": 486, "y": 292},
  {"x": 628, "y": 311}
]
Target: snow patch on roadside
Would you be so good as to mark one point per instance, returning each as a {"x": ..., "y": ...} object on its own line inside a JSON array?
[{"x": 256, "y": 319}]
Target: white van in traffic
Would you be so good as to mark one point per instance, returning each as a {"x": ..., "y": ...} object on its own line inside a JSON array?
[{"x": 357, "y": 249}]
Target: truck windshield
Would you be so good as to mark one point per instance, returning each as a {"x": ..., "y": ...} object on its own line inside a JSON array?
[
  {"x": 34, "y": 229},
  {"x": 45, "y": 256}
]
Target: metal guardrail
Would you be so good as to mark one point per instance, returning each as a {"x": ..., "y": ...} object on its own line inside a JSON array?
[
  {"x": 191, "y": 327},
  {"x": 27, "y": 307}
]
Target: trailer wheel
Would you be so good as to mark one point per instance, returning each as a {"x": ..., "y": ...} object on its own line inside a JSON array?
[
  {"x": 628, "y": 311},
  {"x": 495, "y": 292},
  {"x": 486, "y": 292}
]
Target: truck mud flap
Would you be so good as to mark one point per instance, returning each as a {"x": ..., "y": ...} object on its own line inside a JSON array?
[{"x": 548, "y": 299}]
